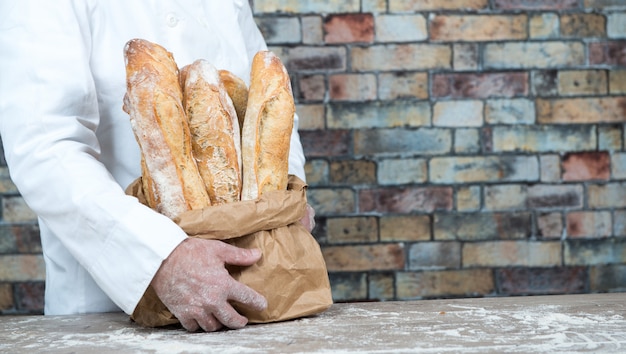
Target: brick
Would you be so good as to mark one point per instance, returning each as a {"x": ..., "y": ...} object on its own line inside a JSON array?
[
  {"x": 483, "y": 169},
  {"x": 617, "y": 81},
  {"x": 317, "y": 172},
  {"x": 545, "y": 196},
  {"x": 331, "y": 201},
  {"x": 348, "y": 286},
  {"x": 619, "y": 223},
  {"x": 607, "y": 53},
  {"x": 435, "y": 255},
  {"x": 405, "y": 228},
  {"x": 550, "y": 225},
  {"x": 20, "y": 238},
  {"x": 381, "y": 286},
  {"x": 402, "y": 141},
  {"x": 541, "y": 281},
  {"x": 349, "y": 28},
  {"x": 352, "y": 87},
  {"x": 392, "y": 86},
  {"x": 465, "y": 56},
  {"x": 609, "y": 278},
  {"x": 586, "y": 166},
  {"x": 297, "y": 6},
  {"x": 326, "y": 143},
  {"x": 315, "y": 59},
  {"x": 544, "y": 26},
  {"x": 520, "y": 55},
  {"x": 471, "y": 282},
  {"x": 312, "y": 88},
  {"x": 364, "y": 257},
  {"x": 6, "y": 297},
  {"x": 311, "y": 116},
  {"x": 610, "y": 137},
  {"x": 482, "y": 226},
  {"x": 582, "y": 82},
  {"x": 512, "y": 253},
  {"x": 458, "y": 113},
  {"x": 594, "y": 251},
  {"x": 468, "y": 198},
  {"x": 581, "y": 110},
  {"x": 510, "y": 111},
  {"x": 401, "y": 171},
  {"x": 546, "y": 138},
  {"x": 312, "y": 30},
  {"x": 544, "y": 82},
  {"x": 535, "y": 4},
  {"x": 550, "y": 166},
  {"x": 593, "y": 224},
  {"x": 353, "y": 172},
  {"x": 30, "y": 297},
  {"x": 466, "y": 141},
  {"x": 607, "y": 195},
  {"x": 616, "y": 23},
  {"x": 22, "y": 268},
  {"x": 429, "y": 5},
  {"x": 374, "y": 6},
  {"x": 405, "y": 200},
  {"x": 401, "y": 28},
  {"x": 604, "y": 4},
  {"x": 618, "y": 165},
  {"x": 279, "y": 30},
  {"x": 484, "y": 85},
  {"x": 6, "y": 184},
  {"x": 401, "y": 57},
  {"x": 15, "y": 210},
  {"x": 506, "y": 197},
  {"x": 352, "y": 229},
  {"x": 454, "y": 28},
  {"x": 579, "y": 25},
  {"x": 357, "y": 115}
]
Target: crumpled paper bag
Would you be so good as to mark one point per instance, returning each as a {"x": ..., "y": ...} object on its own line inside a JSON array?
[{"x": 291, "y": 274}]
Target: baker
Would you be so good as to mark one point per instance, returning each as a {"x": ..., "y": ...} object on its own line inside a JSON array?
[{"x": 71, "y": 152}]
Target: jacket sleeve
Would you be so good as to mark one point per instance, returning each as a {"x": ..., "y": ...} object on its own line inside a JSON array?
[
  {"x": 48, "y": 122},
  {"x": 255, "y": 42}
]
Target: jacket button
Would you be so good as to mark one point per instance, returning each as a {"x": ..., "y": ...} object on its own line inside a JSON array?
[{"x": 171, "y": 20}]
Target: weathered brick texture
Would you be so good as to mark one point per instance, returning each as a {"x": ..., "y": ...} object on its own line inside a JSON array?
[{"x": 454, "y": 148}]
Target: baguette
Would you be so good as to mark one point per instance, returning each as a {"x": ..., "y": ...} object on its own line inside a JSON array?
[
  {"x": 238, "y": 92},
  {"x": 215, "y": 133},
  {"x": 267, "y": 127},
  {"x": 153, "y": 101}
]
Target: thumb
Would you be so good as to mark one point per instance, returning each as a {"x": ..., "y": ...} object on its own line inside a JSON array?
[{"x": 239, "y": 256}]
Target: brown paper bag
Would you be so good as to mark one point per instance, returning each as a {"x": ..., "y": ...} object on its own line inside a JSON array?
[{"x": 291, "y": 274}]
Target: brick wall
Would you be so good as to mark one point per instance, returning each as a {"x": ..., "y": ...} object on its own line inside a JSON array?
[
  {"x": 461, "y": 147},
  {"x": 455, "y": 147}
]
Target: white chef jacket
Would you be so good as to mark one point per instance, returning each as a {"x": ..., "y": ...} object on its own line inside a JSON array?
[{"x": 70, "y": 148}]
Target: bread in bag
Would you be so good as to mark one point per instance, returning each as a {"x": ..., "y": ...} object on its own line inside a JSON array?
[
  {"x": 267, "y": 127},
  {"x": 154, "y": 102},
  {"x": 215, "y": 132}
]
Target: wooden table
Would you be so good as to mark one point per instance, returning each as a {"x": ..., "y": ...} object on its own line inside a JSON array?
[{"x": 539, "y": 324}]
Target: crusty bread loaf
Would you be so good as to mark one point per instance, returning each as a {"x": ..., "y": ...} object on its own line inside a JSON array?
[
  {"x": 215, "y": 134},
  {"x": 267, "y": 127},
  {"x": 154, "y": 102},
  {"x": 238, "y": 92}
]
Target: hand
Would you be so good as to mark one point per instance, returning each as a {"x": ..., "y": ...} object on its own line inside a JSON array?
[
  {"x": 308, "y": 220},
  {"x": 195, "y": 286}
]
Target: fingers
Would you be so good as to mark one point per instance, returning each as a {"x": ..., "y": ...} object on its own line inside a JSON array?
[
  {"x": 247, "y": 296},
  {"x": 238, "y": 256}
]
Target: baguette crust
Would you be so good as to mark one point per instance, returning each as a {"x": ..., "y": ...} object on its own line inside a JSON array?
[
  {"x": 267, "y": 127},
  {"x": 238, "y": 92},
  {"x": 215, "y": 135},
  {"x": 154, "y": 102}
]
